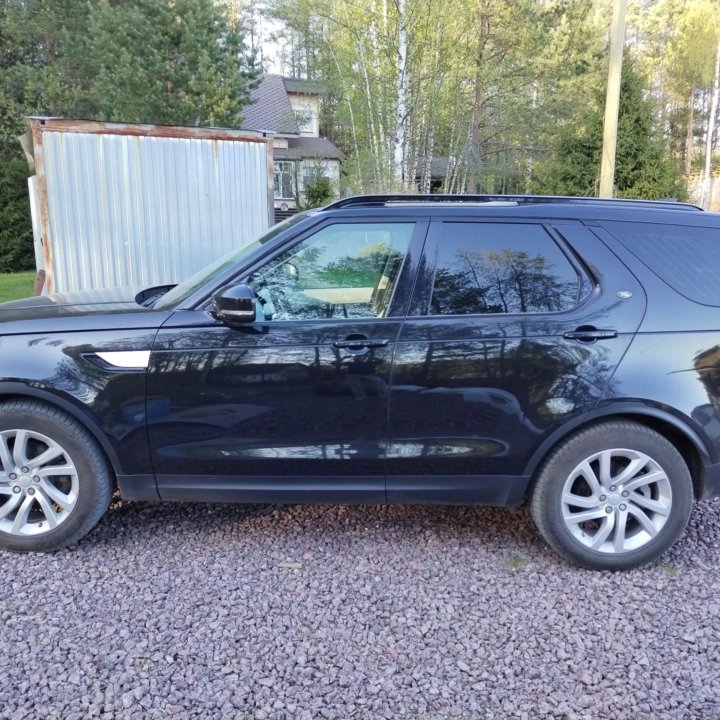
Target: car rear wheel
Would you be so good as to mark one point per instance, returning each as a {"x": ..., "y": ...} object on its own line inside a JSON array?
[
  {"x": 54, "y": 482},
  {"x": 614, "y": 496}
]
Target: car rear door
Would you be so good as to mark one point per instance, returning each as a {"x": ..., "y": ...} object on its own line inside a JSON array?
[{"x": 515, "y": 329}]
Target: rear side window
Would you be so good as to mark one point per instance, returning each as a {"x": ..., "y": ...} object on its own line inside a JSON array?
[
  {"x": 501, "y": 268},
  {"x": 686, "y": 258}
]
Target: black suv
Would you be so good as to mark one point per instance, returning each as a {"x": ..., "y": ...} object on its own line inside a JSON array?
[{"x": 389, "y": 349}]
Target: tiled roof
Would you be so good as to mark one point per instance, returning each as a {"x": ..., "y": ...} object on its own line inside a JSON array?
[
  {"x": 306, "y": 148},
  {"x": 270, "y": 110}
]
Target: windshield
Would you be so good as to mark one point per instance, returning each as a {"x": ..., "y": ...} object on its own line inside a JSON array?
[{"x": 185, "y": 289}]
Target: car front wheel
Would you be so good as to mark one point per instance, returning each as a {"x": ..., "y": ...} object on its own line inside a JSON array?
[
  {"x": 54, "y": 482},
  {"x": 614, "y": 496}
]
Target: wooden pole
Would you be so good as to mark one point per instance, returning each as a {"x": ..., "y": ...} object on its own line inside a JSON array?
[
  {"x": 707, "y": 178},
  {"x": 612, "y": 100}
]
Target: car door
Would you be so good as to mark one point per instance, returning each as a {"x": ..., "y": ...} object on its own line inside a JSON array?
[
  {"x": 515, "y": 329},
  {"x": 291, "y": 407}
]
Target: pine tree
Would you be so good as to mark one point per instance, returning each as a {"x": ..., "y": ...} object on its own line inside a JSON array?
[{"x": 642, "y": 168}]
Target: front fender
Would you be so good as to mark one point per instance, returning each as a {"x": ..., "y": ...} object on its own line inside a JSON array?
[{"x": 109, "y": 402}]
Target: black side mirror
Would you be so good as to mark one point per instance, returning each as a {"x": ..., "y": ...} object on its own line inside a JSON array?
[{"x": 234, "y": 304}]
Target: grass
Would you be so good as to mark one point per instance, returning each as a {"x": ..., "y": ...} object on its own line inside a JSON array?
[
  {"x": 516, "y": 562},
  {"x": 670, "y": 569},
  {"x": 14, "y": 286}
]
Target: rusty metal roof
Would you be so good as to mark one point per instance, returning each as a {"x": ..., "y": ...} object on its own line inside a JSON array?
[{"x": 66, "y": 125}]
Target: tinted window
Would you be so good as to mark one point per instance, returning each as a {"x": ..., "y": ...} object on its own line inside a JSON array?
[
  {"x": 686, "y": 258},
  {"x": 348, "y": 270},
  {"x": 501, "y": 268}
]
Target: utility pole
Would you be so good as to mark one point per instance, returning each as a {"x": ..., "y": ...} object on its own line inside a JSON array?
[
  {"x": 707, "y": 178},
  {"x": 612, "y": 100}
]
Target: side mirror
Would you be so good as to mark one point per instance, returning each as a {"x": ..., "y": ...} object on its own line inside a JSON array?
[{"x": 234, "y": 304}]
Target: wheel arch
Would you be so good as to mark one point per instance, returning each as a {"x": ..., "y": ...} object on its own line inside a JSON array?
[
  {"x": 20, "y": 391},
  {"x": 686, "y": 440}
]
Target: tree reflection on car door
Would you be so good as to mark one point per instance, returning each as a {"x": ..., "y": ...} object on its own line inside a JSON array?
[{"x": 298, "y": 399}]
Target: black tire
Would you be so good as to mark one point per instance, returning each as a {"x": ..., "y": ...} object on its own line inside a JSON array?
[
  {"x": 663, "y": 493},
  {"x": 89, "y": 485}
]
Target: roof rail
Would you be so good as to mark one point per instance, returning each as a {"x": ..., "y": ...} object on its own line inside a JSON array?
[{"x": 439, "y": 199}]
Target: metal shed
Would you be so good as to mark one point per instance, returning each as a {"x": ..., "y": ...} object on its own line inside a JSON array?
[{"x": 116, "y": 204}]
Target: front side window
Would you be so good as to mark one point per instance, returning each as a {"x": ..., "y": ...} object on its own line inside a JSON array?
[
  {"x": 284, "y": 179},
  {"x": 347, "y": 270},
  {"x": 501, "y": 268}
]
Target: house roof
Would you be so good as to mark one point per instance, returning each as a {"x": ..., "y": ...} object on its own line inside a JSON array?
[
  {"x": 305, "y": 87},
  {"x": 270, "y": 110},
  {"x": 304, "y": 148},
  {"x": 439, "y": 167}
]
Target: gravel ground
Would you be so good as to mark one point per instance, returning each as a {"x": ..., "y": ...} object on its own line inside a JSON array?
[{"x": 354, "y": 612}]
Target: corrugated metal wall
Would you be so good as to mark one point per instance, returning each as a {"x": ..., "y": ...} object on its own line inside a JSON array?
[{"x": 133, "y": 210}]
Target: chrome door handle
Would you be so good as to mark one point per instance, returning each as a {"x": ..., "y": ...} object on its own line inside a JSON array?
[{"x": 590, "y": 334}]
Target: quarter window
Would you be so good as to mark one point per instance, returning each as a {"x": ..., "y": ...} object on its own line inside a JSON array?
[
  {"x": 687, "y": 258},
  {"x": 347, "y": 270},
  {"x": 501, "y": 268}
]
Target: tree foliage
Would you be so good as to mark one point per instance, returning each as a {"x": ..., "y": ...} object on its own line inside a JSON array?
[
  {"x": 498, "y": 87},
  {"x": 16, "y": 241},
  {"x": 674, "y": 44},
  {"x": 642, "y": 168},
  {"x": 481, "y": 83},
  {"x": 317, "y": 188}
]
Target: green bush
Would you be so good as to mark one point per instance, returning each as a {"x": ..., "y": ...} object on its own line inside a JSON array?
[
  {"x": 16, "y": 238},
  {"x": 317, "y": 189}
]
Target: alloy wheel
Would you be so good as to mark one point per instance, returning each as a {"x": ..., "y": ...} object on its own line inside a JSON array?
[
  {"x": 616, "y": 501},
  {"x": 39, "y": 484}
]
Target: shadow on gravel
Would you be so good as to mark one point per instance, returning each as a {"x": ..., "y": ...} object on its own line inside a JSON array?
[
  {"x": 492, "y": 526},
  {"x": 506, "y": 534}
]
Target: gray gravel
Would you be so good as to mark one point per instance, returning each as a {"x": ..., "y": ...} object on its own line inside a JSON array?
[{"x": 354, "y": 612}]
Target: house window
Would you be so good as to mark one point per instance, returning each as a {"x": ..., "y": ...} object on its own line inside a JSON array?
[
  {"x": 284, "y": 180},
  {"x": 306, "y": 119}
]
